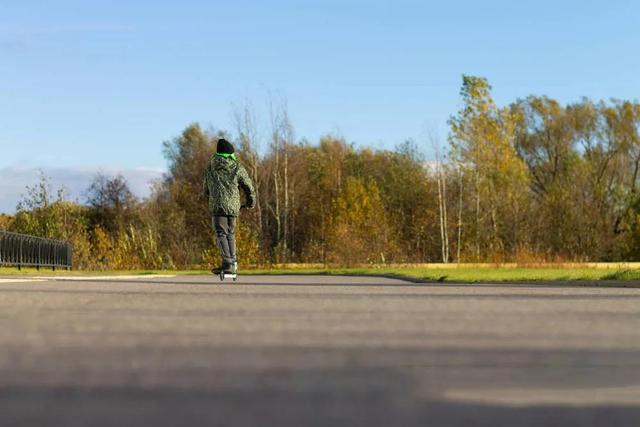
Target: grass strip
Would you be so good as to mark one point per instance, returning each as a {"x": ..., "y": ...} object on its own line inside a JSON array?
[{"x": 460, "y": 274}]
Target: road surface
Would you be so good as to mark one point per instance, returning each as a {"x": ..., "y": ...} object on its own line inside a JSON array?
[{"x": 315, "y": 351}]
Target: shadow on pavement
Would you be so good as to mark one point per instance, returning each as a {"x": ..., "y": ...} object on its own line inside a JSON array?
[{"x": 284, "y": 399}]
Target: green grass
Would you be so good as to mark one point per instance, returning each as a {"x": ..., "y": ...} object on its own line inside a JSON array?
[
  {"x": 478, "y": 275},
  {"x": 447, "y": 274}
]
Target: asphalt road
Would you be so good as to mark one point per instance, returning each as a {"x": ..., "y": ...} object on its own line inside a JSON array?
[{"x": 316, "y": 351}]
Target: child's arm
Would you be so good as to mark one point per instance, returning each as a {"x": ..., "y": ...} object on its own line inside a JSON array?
[{"x": 247, "y": 186}]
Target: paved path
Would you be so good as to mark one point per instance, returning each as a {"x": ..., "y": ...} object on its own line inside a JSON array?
[{"x": 314, "y": 351}]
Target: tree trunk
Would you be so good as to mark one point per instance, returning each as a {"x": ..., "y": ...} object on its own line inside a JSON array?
[
  {"x": 444, "y": 235},
  {"x": 459, "y": 246},
  {"x": 285, "y": 237},
  {"x": 477, "y": 216},
  {"x": 441, "y": 212},
  {"x": 446, "y": 219}
]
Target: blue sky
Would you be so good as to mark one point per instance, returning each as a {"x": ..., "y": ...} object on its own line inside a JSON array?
[{"x": 100, "y": 84}]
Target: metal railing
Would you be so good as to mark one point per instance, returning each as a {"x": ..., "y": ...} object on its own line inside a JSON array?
[{"x": 21, "y": 250}]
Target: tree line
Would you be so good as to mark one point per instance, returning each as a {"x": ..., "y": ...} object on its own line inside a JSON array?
[{"x": 533, "y": 181}]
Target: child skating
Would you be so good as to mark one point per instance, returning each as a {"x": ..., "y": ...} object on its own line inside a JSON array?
[{"x": 222, "y": 182}]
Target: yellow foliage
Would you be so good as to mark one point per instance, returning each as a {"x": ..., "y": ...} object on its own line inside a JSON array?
[
  {"x": 5, "y": 221},
  {"x": 358, "y": 231}
]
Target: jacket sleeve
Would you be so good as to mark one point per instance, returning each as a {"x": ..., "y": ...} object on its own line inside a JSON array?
[
  {"x": 247, "y": 186},
  {"x": 205, "y": 183}
]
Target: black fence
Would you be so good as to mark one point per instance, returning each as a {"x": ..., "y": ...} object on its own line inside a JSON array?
[{"x": 20, "y": 250}]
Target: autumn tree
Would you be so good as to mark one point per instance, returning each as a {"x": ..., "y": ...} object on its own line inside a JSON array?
[
  {"x": 111, "y": 202},
  {"x": 360, "y": 232},
  {"x": 482, "y": 138},
  {"x": 5, "y": 221},
  {"x": 181, "y": 210},
  {"x": 46, "y": 213}
]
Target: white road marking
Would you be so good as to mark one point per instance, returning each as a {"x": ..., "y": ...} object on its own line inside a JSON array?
[
  {"x": 21, "y": 280},
  {"x": 629, "y": 395},
  {"x": 113, "y": 278}
]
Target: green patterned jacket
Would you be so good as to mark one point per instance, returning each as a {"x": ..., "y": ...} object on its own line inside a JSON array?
[{"x": 222, "y": 180}]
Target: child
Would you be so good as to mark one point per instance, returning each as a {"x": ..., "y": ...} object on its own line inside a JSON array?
[{"x": 221, "y": 181}]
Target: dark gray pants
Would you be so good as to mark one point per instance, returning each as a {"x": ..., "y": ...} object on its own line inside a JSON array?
[{"x": 225, "y": 227}]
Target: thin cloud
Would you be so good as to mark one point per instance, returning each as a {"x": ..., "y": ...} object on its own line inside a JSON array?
[{"x": 14, "y": 180}]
